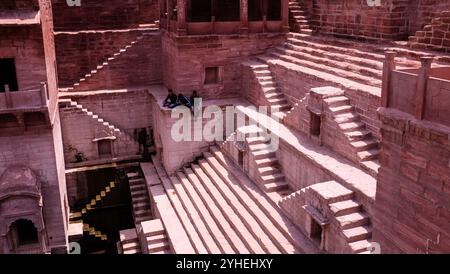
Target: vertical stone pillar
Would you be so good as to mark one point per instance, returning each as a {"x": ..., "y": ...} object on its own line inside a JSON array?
[
  {"x": 285, "y": 16},
  {"x": 422, "y": 80},
  {"x": 244, "y": 16},
  {"x": 181, "y": 17},
  {"x": 388, "y": 67}
]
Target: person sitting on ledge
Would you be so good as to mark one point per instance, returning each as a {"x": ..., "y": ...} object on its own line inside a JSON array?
[
  {"x": 171, "y": 100},
  {"x": 183, "y": 100},
  {"x": 195, "y": 103}
]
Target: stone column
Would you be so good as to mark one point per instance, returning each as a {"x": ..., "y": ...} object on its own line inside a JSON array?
[
  {"x": 181, "y": 17},
  {"x": 284, "y": 15},
  {"x": 422, "y": 80},
  {"x": 244, "y": 16},
  {"x": 388, "y": 67}
]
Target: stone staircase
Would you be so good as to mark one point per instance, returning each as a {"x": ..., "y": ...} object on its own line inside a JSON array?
[
  {"x": 364, "y": 148},
  {"x": 298, "y": 20},
  {"x": 98, "y": 198},
  {"x": 339, "y": 62},
  {"x": 93, "y": 232},
  {"x": 269, "y": 174},
  {"x": 348, "y": 223},
  {"x": 84, "y": 81},
  {"x": 120, "y": 133},
  {"x": 129, "y": 242},
  {"x": 346, "y": 213},
  {"x": 273, "y": 94},
  {"x": 140, "y": 198},
  {"x": 155, "y": 239},
  {"x": 220, "y": 216}
]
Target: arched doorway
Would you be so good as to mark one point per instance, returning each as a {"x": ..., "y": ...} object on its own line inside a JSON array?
[{"x": 23, "y": 233}]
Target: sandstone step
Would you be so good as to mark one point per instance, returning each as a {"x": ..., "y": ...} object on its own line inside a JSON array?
[
  {"x": 260, "y": 225},
  {"x": 259, "y": 147},
  {"x": 276, "y": 186},
  {"x": 347, "y": 47},
  {"x": 368, "y": 155},
  {"x": 128, "y": 236},
  {"x": 248, "y": 228},
  {"x": 197, "y": 222},
  {"x": 330, "y": 79},
  {"x": 204, "y": 214},
  {"x": 353, "y": 220},
  {"x": 261, "y": 154},
  {"x": 347, "y": 117},
  {"x": 268, "y": 170},
  {"x": 160, "y": 246},
  {"x": 271, "y": 178},
  {"x": 355, "y": 71},
  {"x": 153, "y": 227},
  {"x": 352, "y": 126},
  {"x": 295, "y": 58},
  {"x": 357, "y": 233},
  {"x": 256, "y": 140},
  {"x": 330, "y": 192},
  {"x": 341, "y": 109},
  {"x": 265, "y": 162},
  {"x": 158, "y": 238},
  {"x": 358, "y": 135},
  {"x": 361, "y": 61},
  {"x": 371, "y": 166},
  {"x": 139, "y": 193},
  {"x": 200, "y": 181},
  {"x": 365, "y": 145},
  {"x": 344, "y": 207},
  {"x": 268, "y": 208},
  {"x": 337, "y": 101},
  {"x": 359, "y": 246}
]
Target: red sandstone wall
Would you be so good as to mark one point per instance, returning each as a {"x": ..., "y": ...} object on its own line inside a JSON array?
[
  {"x": 25, "y": 45},
  {"x": 423, "y": 11},
  {"x": 127, "y": 111},
  {"x": 50, "y": 55},
  {"x": 355, "y": 18},
  {"x": 36, "y": 148},
  {"x": 79, "y": 53},
  {"x": 94, "y": 14},
  {"x": 412, "y": 212},
  {"x": 434, "y": 36},
  {"x": 185, "y": 59}
]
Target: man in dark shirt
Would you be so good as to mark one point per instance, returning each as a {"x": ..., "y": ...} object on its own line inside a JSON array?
[
  {"x": 183, "y": 100},
  {"x": 171, "y": 100},
  {"x": 195, "y": 103},
  {"x": 142, "y": 139}
]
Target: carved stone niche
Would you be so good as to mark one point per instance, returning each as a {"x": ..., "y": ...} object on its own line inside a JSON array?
[{"x": 22, "y": 228}]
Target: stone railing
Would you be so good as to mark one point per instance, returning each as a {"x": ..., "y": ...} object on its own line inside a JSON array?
[
  {"x": 423, "y": 92},
  {"x": 24, "y": 99}
]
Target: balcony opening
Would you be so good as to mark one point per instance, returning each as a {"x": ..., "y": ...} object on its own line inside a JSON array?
[
  {"x": 104, "y": 148},
  {"x": 34, "y": 119},
  {"x": 7, "y": 4},
  {"x": 8, "y": 77},
  {"x": 241, "y": 159},
  {"x": 255, "y": 10},
  {"x": 226, "y": 10},
  {"x": 274, "y": 10},
  {"x": 200, "y": 11},
  {"x": 316, "y": 231},
  {"x": 211, "y": 75},
  {"x": 25, "y": 232},
  {"x": 315, "y": 124}
]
